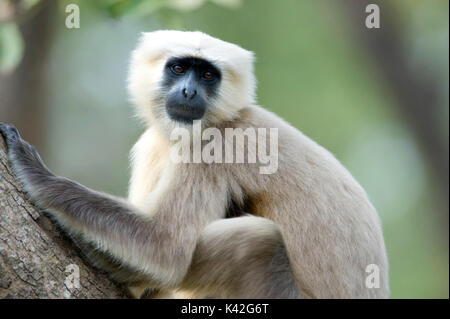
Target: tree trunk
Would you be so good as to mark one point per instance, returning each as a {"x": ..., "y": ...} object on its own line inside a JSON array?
[
  {"x": 22, "y": 93},
  {"x": 35, "y": 254}
]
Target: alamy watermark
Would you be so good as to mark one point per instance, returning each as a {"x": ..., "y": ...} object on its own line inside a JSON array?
[
  {"x": 73, "y": 17},
  {"x": 373, "y": 18},
  {"x": 73, "y": 279},
  {"x": 252, "y": 145},
  {"x": 373, "y": 277}
]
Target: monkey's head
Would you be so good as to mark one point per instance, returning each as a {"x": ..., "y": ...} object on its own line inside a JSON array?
[{"x": 177, "y": 77}]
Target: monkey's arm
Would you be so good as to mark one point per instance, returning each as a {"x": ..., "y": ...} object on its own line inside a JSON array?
[{"x": 161, "y": 246}]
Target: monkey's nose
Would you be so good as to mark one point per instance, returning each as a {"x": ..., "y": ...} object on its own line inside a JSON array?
[{"x": 189, "y": 93}]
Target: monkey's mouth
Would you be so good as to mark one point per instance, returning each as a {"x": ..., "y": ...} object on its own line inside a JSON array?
[{"x": 185, "y": 112}]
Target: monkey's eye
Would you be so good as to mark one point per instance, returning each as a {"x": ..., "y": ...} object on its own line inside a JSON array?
[
  {"x": 208, "y": 75},
  {"x": 177, "y": 69}
]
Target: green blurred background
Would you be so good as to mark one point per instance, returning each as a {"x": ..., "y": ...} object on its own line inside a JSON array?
[{"x": 376, "y": 98}]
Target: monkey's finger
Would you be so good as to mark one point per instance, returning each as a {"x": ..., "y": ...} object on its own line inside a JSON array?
[{"x": 9, "y": 133}]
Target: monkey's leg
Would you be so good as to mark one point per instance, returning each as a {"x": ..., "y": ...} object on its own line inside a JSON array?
[{"x": 242, "y": 257}]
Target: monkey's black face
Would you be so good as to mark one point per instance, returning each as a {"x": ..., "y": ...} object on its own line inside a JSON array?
[{"x": 191, "y": 83}]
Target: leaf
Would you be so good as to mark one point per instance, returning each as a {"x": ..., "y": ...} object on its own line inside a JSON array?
[
  {"x": 232, "y": 4},
  {"x": 185, "y": 5},
  {"x": 132, "y": 7},
  {"x": 11, "y": 47},
  {"x": 29, "y": 4}
]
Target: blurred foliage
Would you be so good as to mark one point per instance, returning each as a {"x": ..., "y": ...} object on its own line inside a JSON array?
[
  {"x": 11, "y": 47},
  {"x": 11, "y": 43},
  {"x": 140, "y": 8},
  {"x": 310, "y": 71}
]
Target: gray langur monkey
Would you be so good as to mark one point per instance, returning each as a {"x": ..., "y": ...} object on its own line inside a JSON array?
[{"x": 216, "y": 229}]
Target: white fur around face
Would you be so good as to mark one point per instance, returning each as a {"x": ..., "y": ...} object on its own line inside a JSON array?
[{"x": 237, "y": 86}]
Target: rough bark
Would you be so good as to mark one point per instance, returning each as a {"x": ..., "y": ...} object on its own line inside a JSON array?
[{"x": 34, "y": 253}]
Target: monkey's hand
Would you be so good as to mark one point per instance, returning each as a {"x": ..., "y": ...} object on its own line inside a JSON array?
[{"x": 23, "y": 157}]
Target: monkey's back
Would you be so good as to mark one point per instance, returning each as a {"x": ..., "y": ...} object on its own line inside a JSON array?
[{"x": 331, "y": 230}]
